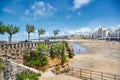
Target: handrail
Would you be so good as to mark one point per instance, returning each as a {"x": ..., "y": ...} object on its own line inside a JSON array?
[{"x": 93, "y": 75}]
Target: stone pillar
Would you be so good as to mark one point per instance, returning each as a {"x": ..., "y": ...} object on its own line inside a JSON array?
[
  {"x": 14, "y": 46},
  {"x": 1, "y": 75},
  {"x": 10, "y": 45},
  {"x": 5, "y": 46},
  {"x": 31, "y": 44},
  {"x": 21, "y": 45}
]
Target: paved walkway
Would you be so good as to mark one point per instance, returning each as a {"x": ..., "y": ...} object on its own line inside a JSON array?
[{"x": 49, "y": 75}]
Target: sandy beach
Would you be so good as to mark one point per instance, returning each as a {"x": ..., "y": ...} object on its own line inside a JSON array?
[{"x": 102, "y": 56}]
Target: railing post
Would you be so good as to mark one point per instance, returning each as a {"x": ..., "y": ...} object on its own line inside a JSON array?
[
  {"x": 114, "y": 77},
  {"x": 101, "y": 76},
  {"x": 90, "y": 75},
  {"x": 80, "y": 72}
]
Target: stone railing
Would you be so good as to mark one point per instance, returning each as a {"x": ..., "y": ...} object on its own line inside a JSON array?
[
  {"x": 15, "y": 50},
  {"x": 17, "y": 45}
]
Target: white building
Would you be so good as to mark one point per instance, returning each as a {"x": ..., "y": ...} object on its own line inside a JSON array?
[
  {"x": 102, "y": 33},
  {"x": 116, "y": 33}
]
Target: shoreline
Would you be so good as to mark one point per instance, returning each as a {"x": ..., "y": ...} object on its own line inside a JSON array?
[{"x": 101, "y": 56}]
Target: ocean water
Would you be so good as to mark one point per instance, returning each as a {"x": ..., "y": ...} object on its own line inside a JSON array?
[{"x": 78, "y": 49}]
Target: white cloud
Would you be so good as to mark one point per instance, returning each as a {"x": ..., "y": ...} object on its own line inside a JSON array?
[
  {"x": 7, "y": 10},
  {"x": 80, "y": 3},
  {"x": 47, "y": 34},
  {"x": 68, "y": 16},
  {"x": 40, "y": 9},
  {"x": 118, "y": 25},
  {"x": 85, "y": 30}
]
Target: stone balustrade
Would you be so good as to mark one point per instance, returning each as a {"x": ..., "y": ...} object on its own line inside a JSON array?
[
  {"x": 16, "y": 50},
  {"x": 17, "y": 45}
]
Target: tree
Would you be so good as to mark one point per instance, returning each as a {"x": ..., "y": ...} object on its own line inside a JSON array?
[
  {"x": 2, "y": 28},
  {"x": 30, "y": 29},
  {"x": 10, "y": 29},
  {"x": 40, "y": 32},
  {"x": 56, "y": 32}
]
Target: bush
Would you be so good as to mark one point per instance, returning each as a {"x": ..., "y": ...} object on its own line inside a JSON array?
[
  {"x": 45, "y": 60},
  {"x": 37, "y": 57},
  {"x": 30, "y": 63},
  {"x": 43, "y": 69},
  {"x": 26, "y": 56},
  {"x": 41, "y": 48},
  {"x": 57, "y": 49},
  {"x": 38, "y": 62},
  {"x": 63, "y": 58},
  {"x": 27, "y": 75}
]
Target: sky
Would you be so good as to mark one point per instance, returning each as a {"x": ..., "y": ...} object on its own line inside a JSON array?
[{"x": 69, "y": 16}]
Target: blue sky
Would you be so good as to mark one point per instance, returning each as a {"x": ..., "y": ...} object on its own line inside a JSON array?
[{"x": 70, "y": 16}]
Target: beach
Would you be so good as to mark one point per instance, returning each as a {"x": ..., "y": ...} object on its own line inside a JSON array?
[{"x": 103, "y": 56}]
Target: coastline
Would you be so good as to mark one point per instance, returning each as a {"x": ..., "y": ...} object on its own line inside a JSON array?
[{"x": 102, "y": 56}]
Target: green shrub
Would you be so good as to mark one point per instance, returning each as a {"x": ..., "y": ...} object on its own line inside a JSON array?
[
  {"x": 57, "y": 49},
  {"x": 63, "y": 58},
  {"x": 30, "y": 63},
  {"x": 37, "y": 57},
  {"x": 45, "y": 60},
  {"x": 26, "y": 56},
  {"x": 41, "y": 48},
  {"x": 27, "y": 75},
  {"x": 38, "y": 62},
  {"x": 43, "y": 69}
]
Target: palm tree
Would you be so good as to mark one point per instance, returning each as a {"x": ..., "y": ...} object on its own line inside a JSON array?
[
  {"x": 10, "y": 29},
  {"x": 56, "y": 32},
  {"x": 2, "y": 28},
  {"x": 30, "y": 29},
  {"x": 40, "y": 32}
]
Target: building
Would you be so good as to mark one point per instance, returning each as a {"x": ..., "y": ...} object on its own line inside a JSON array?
[
  {"x": 116, "y": 33},
  {"x": 107, "y": 34},
  {"x": 102, "y": 33}
]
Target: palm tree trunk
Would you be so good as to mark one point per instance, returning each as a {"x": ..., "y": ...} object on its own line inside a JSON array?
[
  {"x": 10, "y": 38},
  {"x": 28, "y": 36},
  {"x": 39, "y": 37},
  {"x": 55, "y": 37}
]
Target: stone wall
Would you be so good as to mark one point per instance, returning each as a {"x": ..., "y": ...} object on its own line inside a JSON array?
[
  {"x": 10, "y": 69},
  {"x": 15, "y": 51}
]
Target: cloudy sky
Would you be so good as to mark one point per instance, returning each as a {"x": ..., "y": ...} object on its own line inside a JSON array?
[{"x": 70, "y": 16}]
